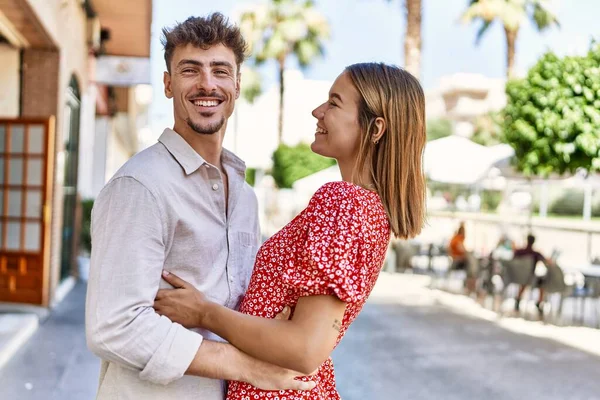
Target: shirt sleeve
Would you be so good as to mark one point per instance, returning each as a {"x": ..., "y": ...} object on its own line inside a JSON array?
[
  {"x": 327, "y": 261},
  {"x": 128, "y": 251}
]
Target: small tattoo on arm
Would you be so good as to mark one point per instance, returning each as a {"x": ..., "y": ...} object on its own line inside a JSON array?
[{"x": 337, "y": 325}]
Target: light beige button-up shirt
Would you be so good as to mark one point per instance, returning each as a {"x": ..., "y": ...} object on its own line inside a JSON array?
[{"x": 164, "y": 209}]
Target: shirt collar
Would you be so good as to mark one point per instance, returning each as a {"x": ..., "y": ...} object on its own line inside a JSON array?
[{"x": 189, "y": 159}]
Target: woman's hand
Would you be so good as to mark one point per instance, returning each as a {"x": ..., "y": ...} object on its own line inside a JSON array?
[{"x": 184, "y": 304}]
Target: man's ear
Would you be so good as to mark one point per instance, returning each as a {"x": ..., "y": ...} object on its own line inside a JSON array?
[
  {"x": 381, "y": 128},
  {"x": 167, "y": 83},
  {"x": 238, "y": 81}
]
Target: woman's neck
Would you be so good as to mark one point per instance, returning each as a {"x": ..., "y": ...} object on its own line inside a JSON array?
[{"x": 363, "y": 179}]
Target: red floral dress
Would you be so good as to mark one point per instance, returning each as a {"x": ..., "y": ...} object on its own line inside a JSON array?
[{"x": 336, "y": 246}]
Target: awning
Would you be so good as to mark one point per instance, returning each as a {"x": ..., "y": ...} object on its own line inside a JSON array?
[
  {"x": 20, "y": 26},
  {"x": 128, "y": 23}
]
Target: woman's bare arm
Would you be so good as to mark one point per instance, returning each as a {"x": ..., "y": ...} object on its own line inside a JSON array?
[{"x": 301, "y": 344}]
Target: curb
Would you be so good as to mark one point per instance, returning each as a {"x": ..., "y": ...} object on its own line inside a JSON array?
[{"x": 17, "y": 328}]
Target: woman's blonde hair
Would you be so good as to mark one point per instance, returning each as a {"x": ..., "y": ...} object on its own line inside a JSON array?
[{"x": 395, "y": 162}]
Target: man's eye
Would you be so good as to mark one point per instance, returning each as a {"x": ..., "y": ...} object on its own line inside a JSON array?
[
  {"x": 331, "y": 103},
  {"x": 188, "y": 71},
  {"x": 221, "y": 72}
]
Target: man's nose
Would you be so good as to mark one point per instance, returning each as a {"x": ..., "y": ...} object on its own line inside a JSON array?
[{"x": 206, "y": 82}]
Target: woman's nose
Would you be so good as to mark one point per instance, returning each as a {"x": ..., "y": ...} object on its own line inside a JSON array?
[{"x": 319, "y": 112}]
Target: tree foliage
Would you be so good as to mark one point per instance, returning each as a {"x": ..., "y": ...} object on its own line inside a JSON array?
[
  {"x": 552, "y": 117},
  {"x": 278, "y": 29},
  {"x": 511, "y": 14},
  {"x": 291, "y": 163}
]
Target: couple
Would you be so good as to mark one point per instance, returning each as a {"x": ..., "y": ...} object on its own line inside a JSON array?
[{"x": 175, "y": 235}]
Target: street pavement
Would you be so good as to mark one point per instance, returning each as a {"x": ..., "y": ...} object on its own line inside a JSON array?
[
  {"x": 55, "y": 363},
  {"x": 419, "y": 352},
  {"x": 404, "y": 345}
]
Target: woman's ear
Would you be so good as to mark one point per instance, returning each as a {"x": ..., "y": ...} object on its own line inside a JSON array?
[{"x": 380, "y": 129}]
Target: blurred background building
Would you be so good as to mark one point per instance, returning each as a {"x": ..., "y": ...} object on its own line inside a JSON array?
[{"x": 70, "y": 113}]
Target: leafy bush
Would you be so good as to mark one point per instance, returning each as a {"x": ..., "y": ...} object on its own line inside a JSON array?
[
  {"x": 251, "y": 176},
  {"x": 291, "y": 163},
  {"x": 552, "y": 117},
  {"x": 438, "y": 128},
  {"x": 86, "y": 221},
  {"x": 490, "y": 199},
  {"x": 571, "y": 203}
]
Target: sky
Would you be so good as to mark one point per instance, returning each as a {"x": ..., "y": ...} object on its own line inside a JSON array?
[{"x": 373, "y": 30}]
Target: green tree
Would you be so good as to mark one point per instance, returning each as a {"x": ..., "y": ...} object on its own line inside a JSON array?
[
  {"x": 251, "y": 83},
  {"x": 552, "y": 117},
  {"x": 511, "y": 13},
  {"x": 291, "y": 163},
  {"x": 282, "y": 28}
]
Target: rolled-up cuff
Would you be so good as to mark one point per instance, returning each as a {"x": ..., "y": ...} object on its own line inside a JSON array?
[{"x": 173, "y": 357}]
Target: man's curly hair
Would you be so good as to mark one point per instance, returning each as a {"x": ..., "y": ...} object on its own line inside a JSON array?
[{"x": 204, "y": 32}]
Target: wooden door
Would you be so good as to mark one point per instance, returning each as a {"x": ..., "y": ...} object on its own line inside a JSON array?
[{"x": 26, "y": 176}]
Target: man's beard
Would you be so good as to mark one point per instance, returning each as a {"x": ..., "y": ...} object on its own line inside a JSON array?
[{"x": 206, "y": 130}]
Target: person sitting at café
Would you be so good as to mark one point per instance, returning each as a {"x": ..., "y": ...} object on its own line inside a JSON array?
[
  {"x": 460, "y": 258},
  {"x": 536, "y": 256}
]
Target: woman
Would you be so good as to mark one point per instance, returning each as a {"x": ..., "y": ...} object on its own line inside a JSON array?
[{"x": 324, "y": 263}]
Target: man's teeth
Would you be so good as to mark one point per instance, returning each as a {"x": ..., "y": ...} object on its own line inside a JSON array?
[
  {"x": 321, "y": 130},
  {"x": 205, "y": 103}
]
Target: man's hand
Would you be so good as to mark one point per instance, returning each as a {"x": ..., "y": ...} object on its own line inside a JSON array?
[
  {"x": 270, "y": 377},
  {"x": 184, "y": 304},
  {"x": 284, "y": 314}
]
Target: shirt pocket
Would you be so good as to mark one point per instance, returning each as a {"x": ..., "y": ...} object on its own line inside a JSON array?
[{"x": 245, "y": 246}]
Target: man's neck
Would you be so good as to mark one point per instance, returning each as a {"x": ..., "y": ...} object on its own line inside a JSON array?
[{"x": 209, "y": 147}]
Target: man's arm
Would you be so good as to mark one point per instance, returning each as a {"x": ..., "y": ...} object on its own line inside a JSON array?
[
  {"x": 128, "y": 252},
  {"x": 223, "y": 361}
]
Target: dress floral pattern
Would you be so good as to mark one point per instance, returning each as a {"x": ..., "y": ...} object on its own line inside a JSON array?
[{"x": 336, "y": 246}]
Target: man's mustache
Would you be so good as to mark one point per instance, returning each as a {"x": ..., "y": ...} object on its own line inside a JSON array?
[{"x": 207, "y": 95}]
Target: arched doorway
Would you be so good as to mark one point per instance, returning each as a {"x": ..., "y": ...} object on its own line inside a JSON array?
[{"x": 71, "y": 158}]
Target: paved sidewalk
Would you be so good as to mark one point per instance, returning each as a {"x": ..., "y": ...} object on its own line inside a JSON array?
[{"x": 55, "y": 363}]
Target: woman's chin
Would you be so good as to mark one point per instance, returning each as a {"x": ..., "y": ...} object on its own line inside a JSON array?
[
  {"x": 315, "y": 147},
  {"x": 318, "y": 150}
]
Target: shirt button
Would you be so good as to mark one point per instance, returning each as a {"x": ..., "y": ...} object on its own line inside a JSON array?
[
  {"x": 215, "y": 187},
  {"x": 207, "y": 166}
]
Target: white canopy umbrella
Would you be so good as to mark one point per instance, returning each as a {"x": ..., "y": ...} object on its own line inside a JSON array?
[
  {"x": 307, "y": 186},
  {"x": 458, "y": 160}
]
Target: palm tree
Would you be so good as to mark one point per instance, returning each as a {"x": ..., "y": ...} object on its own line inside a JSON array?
[
  {"x": 412, "y": 38},
  {"x": 511, "y": 13},
  {"x": 281, "y": 28}
]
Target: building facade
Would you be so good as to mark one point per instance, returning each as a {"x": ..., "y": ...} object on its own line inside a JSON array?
[{"x": 56, "y": 127}]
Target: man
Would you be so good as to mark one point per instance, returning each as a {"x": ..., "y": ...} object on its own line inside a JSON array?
[
  {"x": 528, "y": 251},
  {"x": 180, "y": 205}
]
